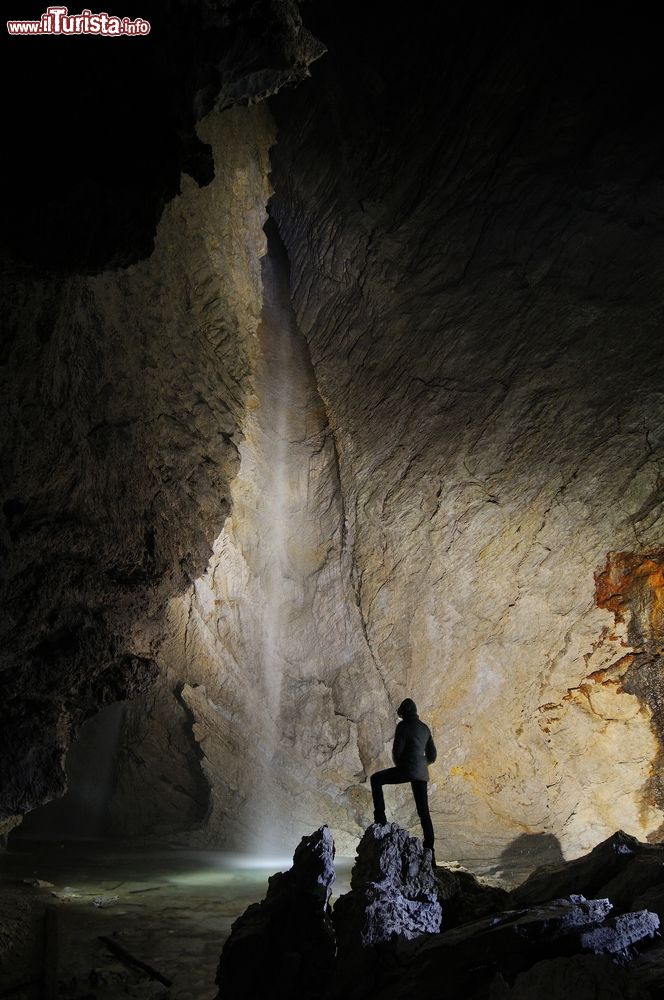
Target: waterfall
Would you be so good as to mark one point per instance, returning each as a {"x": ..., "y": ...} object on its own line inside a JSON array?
[
  {"x": 268, "y": 628},
  {"x": 276, "y": 510},
  {"x": 282, "y": 382}
]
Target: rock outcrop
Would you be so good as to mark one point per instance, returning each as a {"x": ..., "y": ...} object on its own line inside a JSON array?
[
  {"x": 393, "y": 890},
  {"x": 393, "y": 901},
  {"x": 392, "y": 940},
  {"x": 482, "y": 957},
  {"x": 284, "y": 946}
]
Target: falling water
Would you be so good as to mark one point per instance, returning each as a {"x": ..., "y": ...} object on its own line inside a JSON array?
[
  {"x": 283, "y": 426},
  {"x": 256, "y": 606},
  {"x": 276, "y": 502}
]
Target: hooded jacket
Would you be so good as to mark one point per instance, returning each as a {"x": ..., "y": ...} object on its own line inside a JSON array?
[{"x": 413, "y": 747}]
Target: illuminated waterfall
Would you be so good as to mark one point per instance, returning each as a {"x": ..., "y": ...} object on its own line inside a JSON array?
[{"x": 281, "y": 516}]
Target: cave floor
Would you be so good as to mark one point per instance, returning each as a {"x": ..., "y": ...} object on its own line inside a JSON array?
[
  {"x": 173, "y": 911},
  {"x": 170, "y": 908}
]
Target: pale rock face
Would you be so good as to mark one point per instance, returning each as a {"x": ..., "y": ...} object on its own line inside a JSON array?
[
  {"x": 125, "y": 390},
  {"x": 207, "y": 267},
  {"x": 491, "y": 385},
  {"x": 280, "y": 683}
]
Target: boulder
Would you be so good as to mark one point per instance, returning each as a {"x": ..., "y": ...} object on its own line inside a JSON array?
[{"x": 283, "y": 947}]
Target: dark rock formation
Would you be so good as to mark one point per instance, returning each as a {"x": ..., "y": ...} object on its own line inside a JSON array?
[
  {"x": 393, "y": 900},
  {"x": 621, "y": 868},
  {"x": 477, "y": 957},
  {"x": 284, "y": 946},
  {"x": 464, "y": 898},
  {"x": 393, "y": 890},
  {"x": 501, "y": 947},
  {"x": 390, "y": 944},
  {"x": 583, "y": 977}
]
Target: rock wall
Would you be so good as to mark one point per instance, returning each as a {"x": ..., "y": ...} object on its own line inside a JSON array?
[
  {"x": 126, "y": 391},
  {"x": 475, "y": 249},
  {"x": 267, "y": 647},
  {"x": 436, "y": 472}
]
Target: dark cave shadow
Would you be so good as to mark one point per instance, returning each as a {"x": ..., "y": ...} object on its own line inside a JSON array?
[{"x": 529, "y": 851}]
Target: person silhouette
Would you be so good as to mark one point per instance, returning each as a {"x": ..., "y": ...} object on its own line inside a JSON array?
[{"x": 413, "y": 749}]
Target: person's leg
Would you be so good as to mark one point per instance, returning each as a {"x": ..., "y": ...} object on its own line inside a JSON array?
[
  {"x": 390, "y": 776},
  {"x": 422, "y": 805}
]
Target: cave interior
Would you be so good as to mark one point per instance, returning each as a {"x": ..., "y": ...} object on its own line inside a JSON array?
[{"x": 333, "y": 374}]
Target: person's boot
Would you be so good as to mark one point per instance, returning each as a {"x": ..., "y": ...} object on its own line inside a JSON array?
[{"x": 380, "y": 818}]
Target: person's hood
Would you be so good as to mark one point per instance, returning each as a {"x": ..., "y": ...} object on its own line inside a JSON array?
[{"x": 407, "y": 709}]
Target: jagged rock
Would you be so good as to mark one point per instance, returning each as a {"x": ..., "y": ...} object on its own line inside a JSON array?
[
  {"x": 284, "y": 946},
  {"x": 393, "y": 889},
  {"x": 579, "y": 977},
  {"x": 562, "y": 916},
  {"x": 393, "y": 901},
  {"x": 619, "y": 934},
  {"x": 472, "y": 956}
]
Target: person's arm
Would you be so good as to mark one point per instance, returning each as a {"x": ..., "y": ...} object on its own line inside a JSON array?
[
  {"x": 399, "y": 744},
  {"x": 430, "y": 752}
]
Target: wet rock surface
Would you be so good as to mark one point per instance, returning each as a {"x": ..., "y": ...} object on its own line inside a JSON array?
[{"x": 284, "y": 946}]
